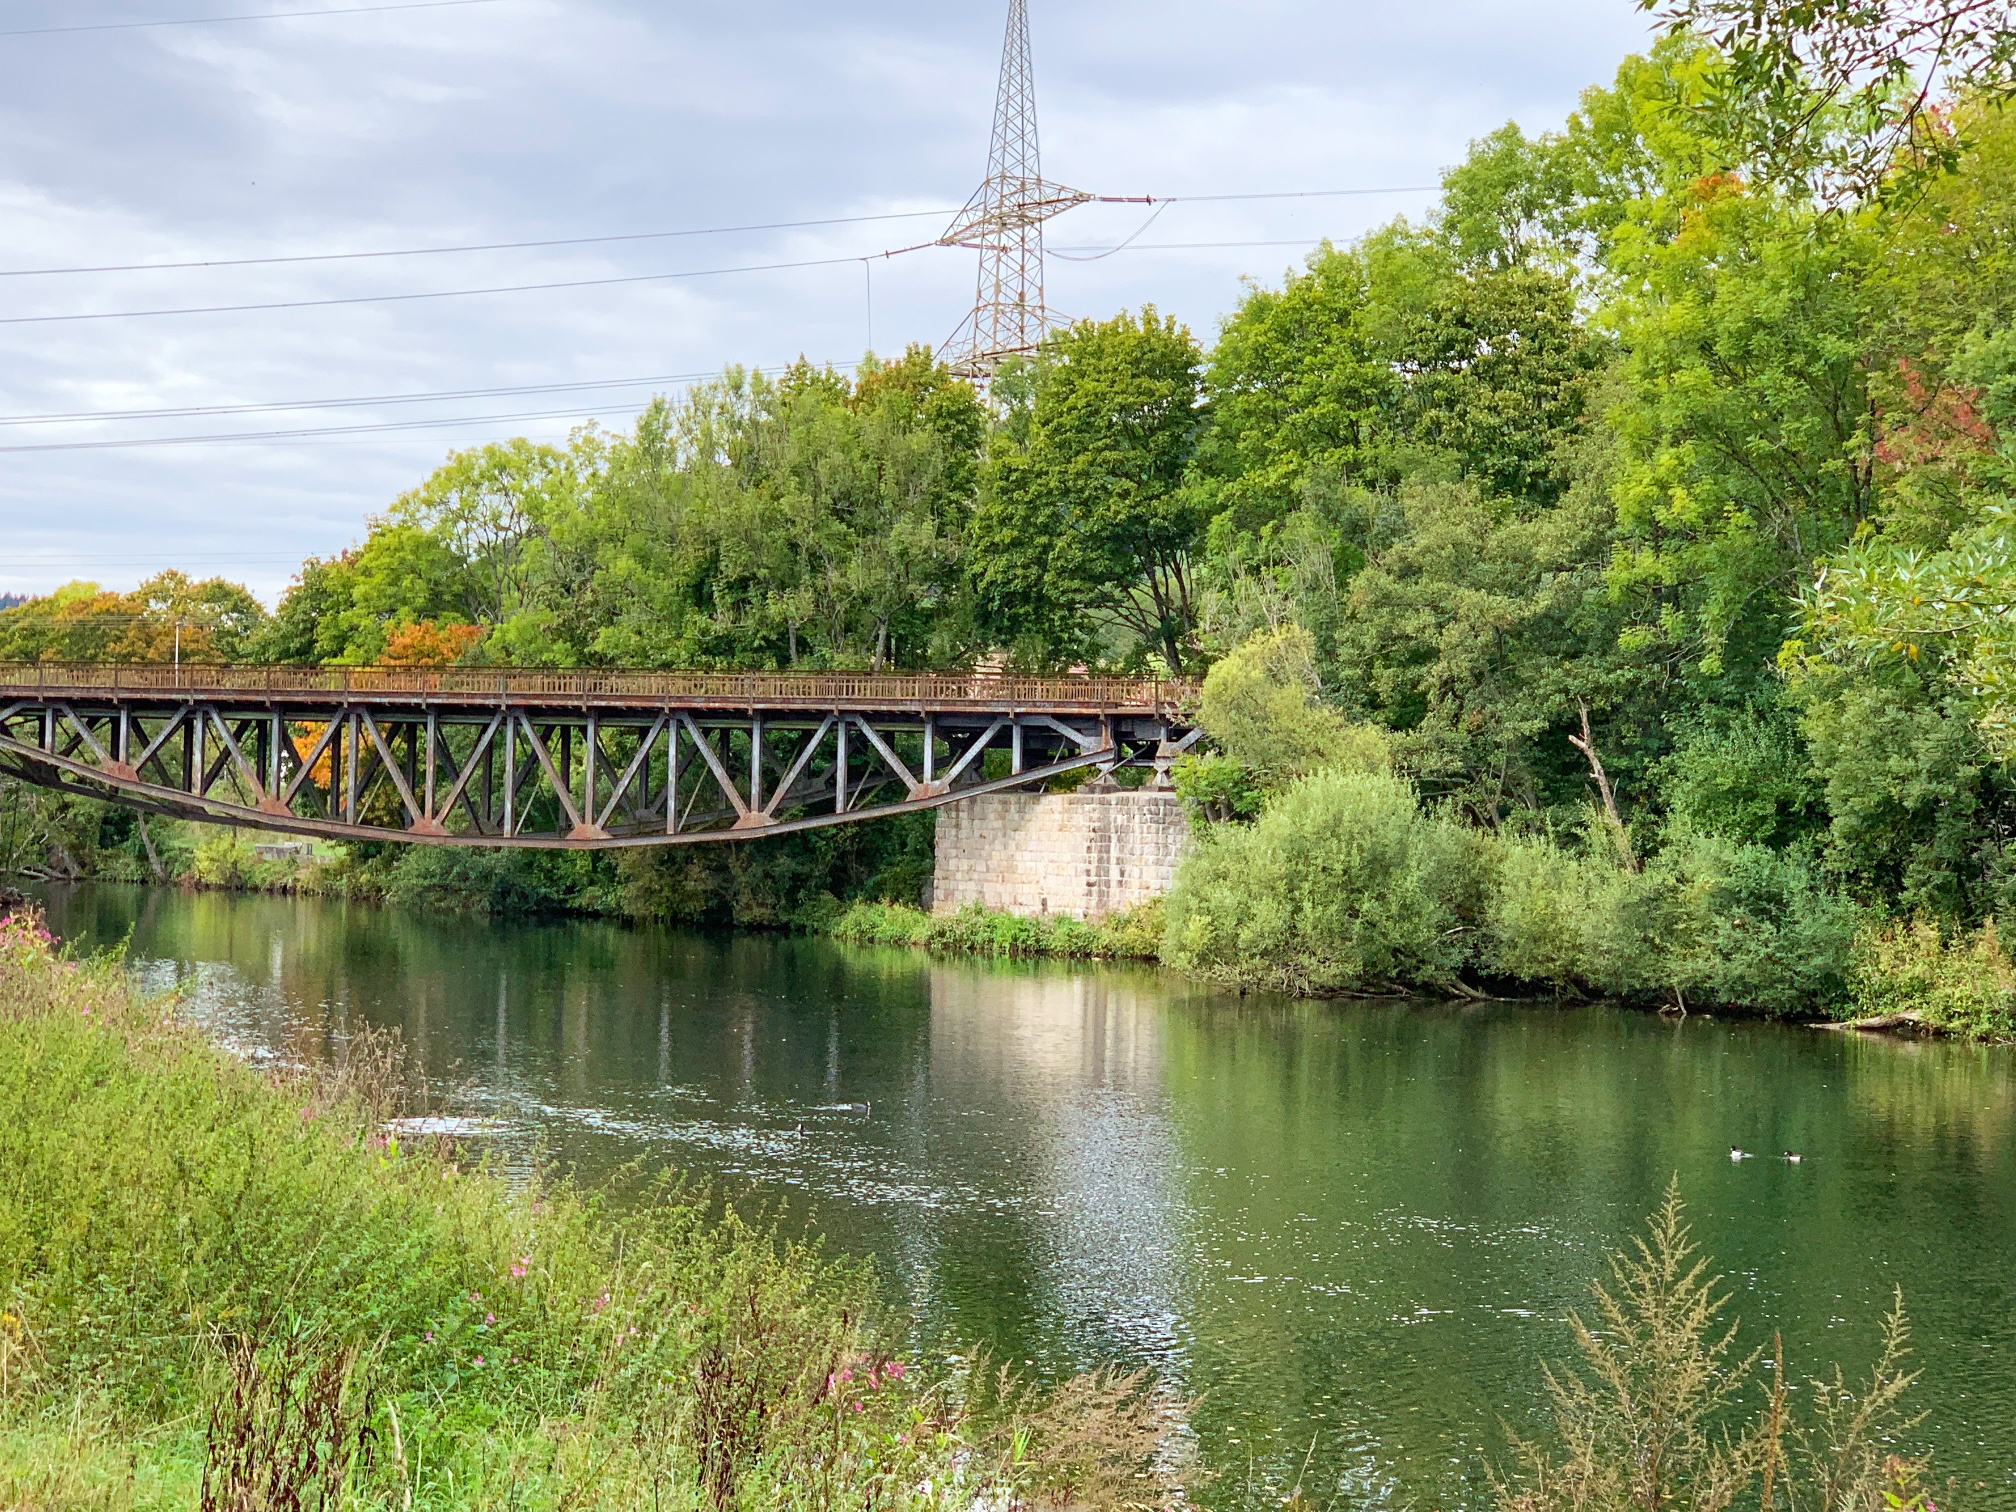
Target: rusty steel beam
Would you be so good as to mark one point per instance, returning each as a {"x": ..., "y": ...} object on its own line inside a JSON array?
[{"x": 560, "y": 760}]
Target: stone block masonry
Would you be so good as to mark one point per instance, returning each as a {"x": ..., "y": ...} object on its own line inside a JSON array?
[{"x": 1084, "y": 855}]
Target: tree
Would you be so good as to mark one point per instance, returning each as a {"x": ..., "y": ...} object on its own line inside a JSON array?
[
  {"x": 1091, "y": 521},
  {"x": 1838, "y": 97},
  {"x": 1745, "y": 420},
  {"x": 170, "y": 615},
  {"x": 344, "y": 609}
]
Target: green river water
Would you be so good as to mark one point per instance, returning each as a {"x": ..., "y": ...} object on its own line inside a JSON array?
[{"x": 1348, "y": 1230}]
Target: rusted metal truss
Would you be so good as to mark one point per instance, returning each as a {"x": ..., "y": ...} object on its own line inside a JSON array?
[{"x": 567, "y": 769}]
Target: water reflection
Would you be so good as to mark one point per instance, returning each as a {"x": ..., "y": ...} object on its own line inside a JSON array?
[{"x": 1349, "y": 1229}]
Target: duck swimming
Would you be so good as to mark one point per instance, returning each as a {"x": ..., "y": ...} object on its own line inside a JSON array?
[
  {"x": 1738, "y": 1154},
  {"x": 1794, "y": 1157}
]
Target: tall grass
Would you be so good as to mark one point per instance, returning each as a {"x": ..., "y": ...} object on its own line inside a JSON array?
[
  {"x": 196, "y": 1260},
  {"x": 976, "y": 930}
]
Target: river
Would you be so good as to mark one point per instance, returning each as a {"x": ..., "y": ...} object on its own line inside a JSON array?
[{"x": 1350, "y": 1231}]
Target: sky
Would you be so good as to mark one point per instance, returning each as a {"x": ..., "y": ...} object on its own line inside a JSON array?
[{"x": 487, "y": 121}]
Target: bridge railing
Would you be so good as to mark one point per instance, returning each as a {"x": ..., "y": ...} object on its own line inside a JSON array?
[{"x": 825, "y": 689}]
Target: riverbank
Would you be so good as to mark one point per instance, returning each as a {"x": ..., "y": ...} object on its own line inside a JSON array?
[
  {"x": 1900, "y": 978},
  {"x": 249, "y": 1284},
  {"x": 1132, "y": 936},
  {"x": 1344, "y": 886}
]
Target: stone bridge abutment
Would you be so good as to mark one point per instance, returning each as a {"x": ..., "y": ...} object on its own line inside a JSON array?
[{"x": 1083, "y": 855}]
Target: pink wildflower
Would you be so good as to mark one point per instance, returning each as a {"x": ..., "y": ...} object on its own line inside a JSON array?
[
  {"x": 601, "y": 1301},
  {"x": 430, "y": 1336},
  {"x": 894, "y": 1370},
  {"x": 479, "y": 1359},
  {"x": 489, "y": 1317},
  {"x": 846, "y": 1376},
  {"x": 858, "y": 1407}
]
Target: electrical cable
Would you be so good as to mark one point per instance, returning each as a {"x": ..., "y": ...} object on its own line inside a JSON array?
[
  {"x": 358, "y": 402},
  {"x": 563, "y": 241},
  {"x": 364, "y": 299},
  {"x": 1138, "y": 234},
  {"x": 589, "y": 283},
  {"x": 348, "y": 10},
  {"x": 586, "y": 241},
  {"x": 367, "y": 401},
  {"x": 1292, "y": 241},
  {"x": 382, "y": 428}
]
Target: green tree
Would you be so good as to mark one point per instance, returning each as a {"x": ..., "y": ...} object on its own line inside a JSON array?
[{"x": 1088, "y": 521}]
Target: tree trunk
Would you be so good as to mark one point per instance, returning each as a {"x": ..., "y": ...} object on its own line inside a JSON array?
[
  {"x": 67, "y": 868},
  {"x": 1586, "y": 744},
  {"x": 147, "y": 844}
]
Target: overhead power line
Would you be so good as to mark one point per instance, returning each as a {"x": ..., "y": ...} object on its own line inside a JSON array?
[
  {"x": 518, "y": 246},
  {"x": 348, "y": 10},
  {"x": 375, "y": 428},
  {"x": 361, "y": 401},
  {"x": 364, "y": 299},
  {"x": 381, "y": 428},
  {"x": 1099, "y": 252},
  {"x": 633, "y": 236},
  {"x": 585, "y": 283}
]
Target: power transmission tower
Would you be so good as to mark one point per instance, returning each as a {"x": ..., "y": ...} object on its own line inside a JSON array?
[{"x": 1004, "y": 223}]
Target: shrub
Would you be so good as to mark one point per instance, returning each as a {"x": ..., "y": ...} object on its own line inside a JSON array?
[
  {"x": 1216, "y": 789},
  {"x": 1576, "y": 922},
  {"x": 1343, "y": 885},
  {"x": 1746, "y": 779},
  {"x": 1965, "y": 985},
  {"x": 482, "y": 881},
  {"x": 1259, "y": 704},
  {"x": 1709, "y": 922},
  {"x": 1767, "y": 930}
]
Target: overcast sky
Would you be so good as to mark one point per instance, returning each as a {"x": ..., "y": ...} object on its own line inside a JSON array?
[{"x": 521, "y": 120}]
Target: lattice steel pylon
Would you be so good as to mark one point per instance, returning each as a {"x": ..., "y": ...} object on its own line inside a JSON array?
[{"x": 1003, "y": 222}]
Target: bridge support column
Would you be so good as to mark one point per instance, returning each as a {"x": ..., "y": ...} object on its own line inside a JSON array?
[{"x": 1084, "y": 855}]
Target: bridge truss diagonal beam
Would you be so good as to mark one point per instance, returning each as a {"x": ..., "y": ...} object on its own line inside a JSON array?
[{"x": 581, "y": 762}]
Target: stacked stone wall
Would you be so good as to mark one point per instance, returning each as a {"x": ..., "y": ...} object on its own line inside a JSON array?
[{"x": 1084, "y": 855}]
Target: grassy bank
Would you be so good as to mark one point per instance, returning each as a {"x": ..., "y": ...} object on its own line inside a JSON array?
[
  {"x": 974, "y": 930},
  {"x": 220, "y": 1283}
]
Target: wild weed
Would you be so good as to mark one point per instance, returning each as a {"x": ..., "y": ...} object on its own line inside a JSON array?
[
  {"x": 291, "y": 1426},
  {"x": 1664, "y": 1410}
]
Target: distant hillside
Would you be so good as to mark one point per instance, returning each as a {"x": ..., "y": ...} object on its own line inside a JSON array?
[{"x": 12, "y": 600}]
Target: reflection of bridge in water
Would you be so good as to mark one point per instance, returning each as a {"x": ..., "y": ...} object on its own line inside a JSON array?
[{"x": 581, "y": 760}]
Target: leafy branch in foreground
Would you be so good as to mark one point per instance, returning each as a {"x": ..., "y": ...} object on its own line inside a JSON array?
[
  {"x": 1838, "y": 94},
  {"x": 1653, "y": 1418}
]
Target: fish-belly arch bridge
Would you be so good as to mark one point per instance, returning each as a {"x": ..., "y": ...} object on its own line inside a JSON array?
[{"x": 582, "y": 760}]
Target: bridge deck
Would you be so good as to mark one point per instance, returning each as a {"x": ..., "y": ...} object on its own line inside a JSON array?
[{"x": 485, "y": 687}]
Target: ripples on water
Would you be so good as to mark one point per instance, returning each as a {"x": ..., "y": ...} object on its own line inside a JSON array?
[{"x": 1355, "y": 1226}]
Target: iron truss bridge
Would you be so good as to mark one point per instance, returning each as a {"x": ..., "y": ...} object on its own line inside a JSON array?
[{"x": 560, "y": 760}]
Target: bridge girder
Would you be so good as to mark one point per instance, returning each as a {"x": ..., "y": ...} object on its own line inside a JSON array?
[{"x": 613, "y": 765}]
